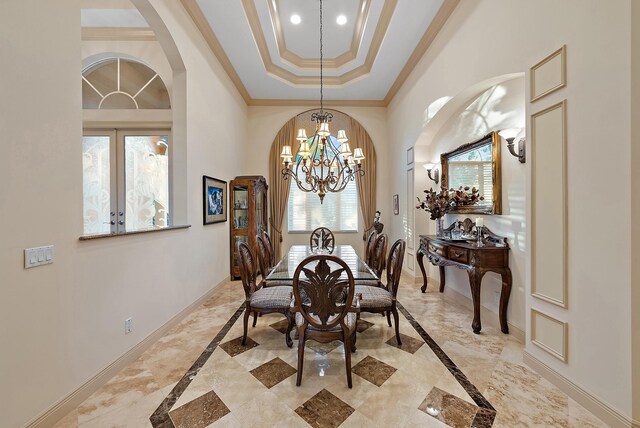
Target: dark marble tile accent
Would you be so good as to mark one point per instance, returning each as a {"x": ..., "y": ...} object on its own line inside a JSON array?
[
  {"x": 409, "y": 344},
  {"x": 235, "y": 347},
  {"x": 484, "y": 418},
  {"x": 273, "y": 372},
  {"x": 473, "y": 392},
  {"x": 160, "y": 417},
  {"x": 363, "y": 325},
  {"x": 324, "y": 410},
  {"x": 373, "y": 370},
  {"x": 199, "y": 413},
  {"x": 322, "y": 348},
  {"x": 449, "y": 409},
  {"x": 281, "y": 326}
]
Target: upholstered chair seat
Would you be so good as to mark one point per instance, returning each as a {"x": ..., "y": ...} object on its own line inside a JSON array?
[{"x": 273, "y": 297}]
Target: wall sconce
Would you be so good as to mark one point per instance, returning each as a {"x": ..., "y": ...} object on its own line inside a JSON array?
[
  {"x": 432, "y": 169},
  {"x": 510, "y": 136}
]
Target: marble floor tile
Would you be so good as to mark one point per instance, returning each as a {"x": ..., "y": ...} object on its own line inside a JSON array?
[
  {"x": 324, "y": 410},
  {"x": 201, "y": 356},
  {"x": 273, "y": 372},
  {"x": 409, "y": 344},
  {"x": 449, "y": 409},
  {"x": 280, "y": 326},
  {"x": 373, "y": 370},
  {"x": 199, "y": 413},
  {"x": 235, "y": 347}
]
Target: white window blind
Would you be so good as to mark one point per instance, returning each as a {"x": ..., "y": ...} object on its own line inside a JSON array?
[
  {"x": 338, "y": 212},
  {"x": 473, "y": 174}
]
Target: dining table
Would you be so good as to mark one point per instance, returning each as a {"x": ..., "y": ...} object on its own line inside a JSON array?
[{"x": 286, "y": 268}]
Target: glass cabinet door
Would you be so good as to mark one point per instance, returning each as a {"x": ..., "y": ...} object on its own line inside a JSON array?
[{"x": 240, "y": 208}]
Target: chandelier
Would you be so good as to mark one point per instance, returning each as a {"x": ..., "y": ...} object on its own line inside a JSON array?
[{"x": 324, "y": 163}]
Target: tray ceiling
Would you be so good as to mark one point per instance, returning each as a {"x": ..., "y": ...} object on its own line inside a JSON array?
[{"x": 273, "y": 61}]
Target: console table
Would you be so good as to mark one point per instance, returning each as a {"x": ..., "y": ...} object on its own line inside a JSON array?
[{"x": 491, "y": 256}]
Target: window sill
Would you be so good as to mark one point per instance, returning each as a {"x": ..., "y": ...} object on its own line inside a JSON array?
[
  {"x": 306, "y": 232},
  {"x": 136, "y": 232}
]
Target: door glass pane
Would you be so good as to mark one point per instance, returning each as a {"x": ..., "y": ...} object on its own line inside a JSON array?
[
  {"x": 96, "y": 189},
  {"x": 146, "y": 181}
]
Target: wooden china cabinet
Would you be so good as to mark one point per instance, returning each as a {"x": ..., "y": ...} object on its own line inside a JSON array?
[{"x": 248, "y": 208}]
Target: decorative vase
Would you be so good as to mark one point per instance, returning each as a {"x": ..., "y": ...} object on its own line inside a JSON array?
[{"x": 439, "y": 227}]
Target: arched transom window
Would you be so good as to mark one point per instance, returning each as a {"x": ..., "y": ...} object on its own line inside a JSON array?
[{"x": 119, "y": 83}]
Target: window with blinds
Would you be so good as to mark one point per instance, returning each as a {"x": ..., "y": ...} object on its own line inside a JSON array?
[
  {"x": 473, "y": 169},
  {"x": 338, "y": 212}
]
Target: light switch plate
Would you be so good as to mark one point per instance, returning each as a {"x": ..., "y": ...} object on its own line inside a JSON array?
[{"x": 38, "y": 256}]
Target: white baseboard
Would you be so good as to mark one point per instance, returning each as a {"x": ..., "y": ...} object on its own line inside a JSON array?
[
  {"x": 586, "y": 399},
  {"x": 487, "y": 315},
  {"x": 59, "y": 410}
]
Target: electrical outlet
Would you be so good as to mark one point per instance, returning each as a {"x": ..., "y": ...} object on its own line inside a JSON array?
[
  {"x": 496, "y": 297},
  {"x": 128, "y": 326}
]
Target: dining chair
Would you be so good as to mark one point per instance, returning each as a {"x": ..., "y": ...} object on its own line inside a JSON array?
[
  {"x": 265, "y": 265},
  {"x": 259, "y": 299},
  {"x": 324, "y": 308},
  {"x": 269, "y": 244},
  {"x": 322, "y": 238},
  {"x": 376, "y": 260},
  {"x": 371, "y": 239},
  {"x": 383, "y": 299}
]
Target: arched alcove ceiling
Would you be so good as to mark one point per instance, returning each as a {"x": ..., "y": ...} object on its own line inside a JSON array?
[{"x": 460, "y": 100}]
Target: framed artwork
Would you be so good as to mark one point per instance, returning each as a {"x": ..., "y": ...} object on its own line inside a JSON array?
[
  {"x": 396, "y": 205},
  {"x": 549, "y": 75},
  {"x": 409, "y": 155},
  {"x": 214, "y": 193}
]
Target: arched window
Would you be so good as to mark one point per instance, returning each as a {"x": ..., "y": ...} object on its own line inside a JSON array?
[
  {"x": 119, "y": 83},
  {"x": 125, "y": 170}
]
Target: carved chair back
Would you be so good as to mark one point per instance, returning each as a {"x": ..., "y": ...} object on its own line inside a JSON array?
[
  {"x": 394, "y": 266},
  {"x": 247, "y": 269},
  {"x": 267, "y": 241},
  {"x": 264, "y": 259},
  {"x": 323, "y": 289},
  {"x": 322, "y": 238},
  {"x": 369, "y": 247},
  {"x": 379, "y": 254}
]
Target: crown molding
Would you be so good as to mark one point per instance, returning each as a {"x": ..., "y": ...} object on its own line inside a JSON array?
[
  {"x": 194, "y": 11},
  {"x": 288, "y": 76},
  {"x": 443, "y": 14},
  {"x": 306, "y": 63},
  {"x": 129, "y": 34},
  {"x": 263, "y": 102},
  {"x": 106, "y": 4}
]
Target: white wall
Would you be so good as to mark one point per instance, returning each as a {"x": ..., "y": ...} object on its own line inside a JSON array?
[
  {"x": 63, "y": 323},
  {"x": 491, "y": 38},
  {"x": 499, "y": 107},
  {"x": 264, "y": 124}
]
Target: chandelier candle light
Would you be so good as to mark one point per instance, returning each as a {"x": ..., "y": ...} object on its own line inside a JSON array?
[{"x": 320, "y": 166}]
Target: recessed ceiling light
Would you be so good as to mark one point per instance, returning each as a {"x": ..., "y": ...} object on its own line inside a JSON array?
[
  {"x": 295, "y": 19},
  {"x": 341, "y": 20}
]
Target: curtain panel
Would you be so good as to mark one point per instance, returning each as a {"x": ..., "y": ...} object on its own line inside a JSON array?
[
  {"x": 278, "y": 187},
  {"x": 366, "y": 184}
]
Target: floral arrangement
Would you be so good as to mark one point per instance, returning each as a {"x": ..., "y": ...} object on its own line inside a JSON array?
[{"x": 438, "y": 203}]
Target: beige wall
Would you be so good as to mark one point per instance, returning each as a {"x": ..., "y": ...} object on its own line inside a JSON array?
[
  {"x": 499, "y": 107},
  {"x": 635, "y": 205},
  {"x": 63, "y": 323},
  {"x": 486, "y": 39},
  {"x": 265, "y": 122}
]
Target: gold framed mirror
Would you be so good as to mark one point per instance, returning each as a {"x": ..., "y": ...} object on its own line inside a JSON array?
[{"x": 476, "y": 164}]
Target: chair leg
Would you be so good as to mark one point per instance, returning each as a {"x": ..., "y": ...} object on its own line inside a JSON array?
[
  {"x": 287, "y": 335},
  {"x": 395, "y": 320},
  {"x": 347, "y": 357},
  {"x": 247, "y": 312},
  {"x": 389, "y": 318},
  {"x": 353, "y": 341},
  {"x": 255, "y": 318},
  {"x": 300, "y": 354}
]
